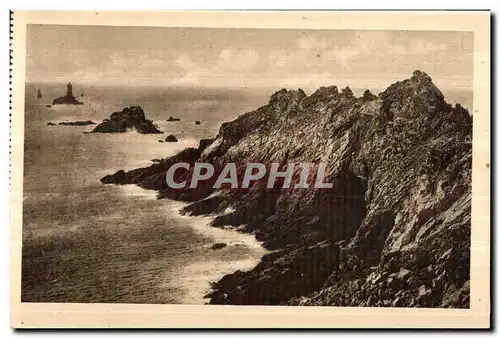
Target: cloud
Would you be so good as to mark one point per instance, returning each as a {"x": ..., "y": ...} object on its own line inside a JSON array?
[
  {"x": 420, "y": 47},
  {"x": 243, "y": 60},
  {"x": 310, "y": 80},
  {"x": 330, "y": 52},
  {"x": 229, "y": 64},
  {"x": 185, "y": 62},
  {"x": 279, "y": 59},
  {"x": 188, "y": 79},
  {"x": 191, "y": 71},
  {"x": 344, "y": 54},
  {"x": 427, "y": 46},
  {"x": 309, "y": 43},
  {"x": 135, "y": 61}
]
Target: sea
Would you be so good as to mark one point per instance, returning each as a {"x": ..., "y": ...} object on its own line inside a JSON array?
[{"x": 87, "y": 242}]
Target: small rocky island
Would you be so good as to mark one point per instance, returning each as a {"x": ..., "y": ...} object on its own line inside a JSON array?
[
  {"x": 68, "y": 98},
  {"x": 128, "y": 119},
  {"x": 171, "y": 138}
]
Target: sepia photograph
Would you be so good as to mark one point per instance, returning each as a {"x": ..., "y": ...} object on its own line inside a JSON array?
[{"x": 282, "y": 167}]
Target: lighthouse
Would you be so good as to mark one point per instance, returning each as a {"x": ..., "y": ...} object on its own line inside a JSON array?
[
  {"x": 68, "y": 98},
  {"x": 69, "y": 90}
]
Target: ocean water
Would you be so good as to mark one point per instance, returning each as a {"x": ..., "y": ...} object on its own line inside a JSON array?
[{"x": 88, "y": 242}]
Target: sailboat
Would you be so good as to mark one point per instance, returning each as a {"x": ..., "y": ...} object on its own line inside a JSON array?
[{"x": 39, "y": 93}]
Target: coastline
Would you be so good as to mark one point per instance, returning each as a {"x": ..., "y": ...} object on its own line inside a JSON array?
[{"x": 372, "y": 229}]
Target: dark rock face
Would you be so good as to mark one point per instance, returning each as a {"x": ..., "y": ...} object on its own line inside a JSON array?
[
  {"x": 127, "y": 119},
  {"x": 368, "y": 96},
  {"x": 51, "y": 124},
  {"x": 76, "y": 123},
  {"x": 171, "y": 138},
  {"x": 197, "y": 122},
  {"x": 393, "y": 231},
  {"x": 172, "y": 119},
  {"x": 279, "y": 277}
]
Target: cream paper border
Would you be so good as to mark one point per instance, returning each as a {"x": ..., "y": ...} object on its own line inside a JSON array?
[{"x": 76, "y": 315}]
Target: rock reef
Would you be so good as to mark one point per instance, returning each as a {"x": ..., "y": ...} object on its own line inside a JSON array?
[
  {"x": 393, "y": 231},
  {"x": 77, "y": 123},
  {"x": 130, "y": 118}
]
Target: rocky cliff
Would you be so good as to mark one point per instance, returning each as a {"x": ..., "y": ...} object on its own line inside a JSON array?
[
  {"x": 130, "y": 118},
  {"x": 393, "y": 231}
]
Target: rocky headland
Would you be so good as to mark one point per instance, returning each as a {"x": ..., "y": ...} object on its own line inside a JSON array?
[
  {"x": 393, "y": 231},
  {"x": 130, "y": 118}
]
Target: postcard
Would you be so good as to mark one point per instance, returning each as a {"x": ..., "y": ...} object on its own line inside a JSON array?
[{"x": 260, "y": 169}]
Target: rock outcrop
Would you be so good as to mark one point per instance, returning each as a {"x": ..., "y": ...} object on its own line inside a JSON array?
[
  {"x": 130, "y": 118},
  {"x": 173, "y": 119},
  {"x": 394, "y": 230}
]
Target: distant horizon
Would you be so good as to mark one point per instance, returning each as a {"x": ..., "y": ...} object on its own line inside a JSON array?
[
  {"x": 463, "y": 96},
  {"x": 234, "y": 87}
]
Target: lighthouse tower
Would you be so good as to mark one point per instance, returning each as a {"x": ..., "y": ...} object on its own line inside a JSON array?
[
  {"x": 68, "y": 98},
  {"x": 69, "y": 90}
]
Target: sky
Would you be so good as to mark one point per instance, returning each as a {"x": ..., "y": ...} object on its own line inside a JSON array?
[{"x": 267, "y": 58}]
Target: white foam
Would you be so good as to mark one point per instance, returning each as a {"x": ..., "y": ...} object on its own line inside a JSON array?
[
  {"x": 138, "y": 192},
  {"x": 197, "y": 276}
]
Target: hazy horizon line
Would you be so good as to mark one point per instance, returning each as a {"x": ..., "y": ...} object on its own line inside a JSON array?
[{"x": 242, "y": 87}]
